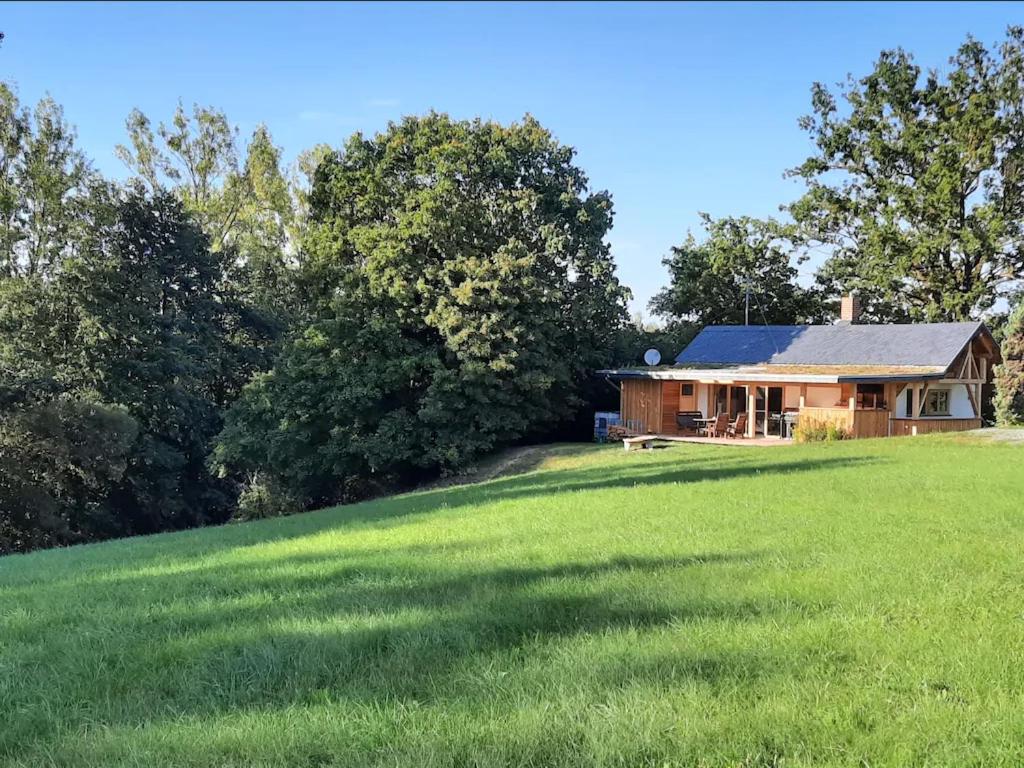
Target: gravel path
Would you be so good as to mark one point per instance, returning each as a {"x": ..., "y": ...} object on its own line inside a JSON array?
[{"x": 1001, "y": 433}]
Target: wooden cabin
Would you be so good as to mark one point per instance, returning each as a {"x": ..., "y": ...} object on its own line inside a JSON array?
[{"x": 871, "y": 380}]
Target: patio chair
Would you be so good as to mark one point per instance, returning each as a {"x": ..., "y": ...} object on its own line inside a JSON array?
[
  {"x": 720, "y": 425},
  {"x": 739, "y": 427}
]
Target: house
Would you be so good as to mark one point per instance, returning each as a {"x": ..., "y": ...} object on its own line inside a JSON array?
[{"x": 871, "y": 380}]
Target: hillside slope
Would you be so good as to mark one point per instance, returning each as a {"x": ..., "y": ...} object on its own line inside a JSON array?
[{"x": 847, "y": 604}]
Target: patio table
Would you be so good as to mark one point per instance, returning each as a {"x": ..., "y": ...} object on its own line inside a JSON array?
[{"x": 705, "y": 423}]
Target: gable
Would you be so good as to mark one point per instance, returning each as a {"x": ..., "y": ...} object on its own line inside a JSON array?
[{"x": 924, "y": 344}]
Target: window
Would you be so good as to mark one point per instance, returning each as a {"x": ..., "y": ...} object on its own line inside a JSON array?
[
  {"x": 871, "y": 396},
  {"x": 739, "y": 400},
  {"x": 687, "y": 390},
  {"x": 937, "y": 403}
]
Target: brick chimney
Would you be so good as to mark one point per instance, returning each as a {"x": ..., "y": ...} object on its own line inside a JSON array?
[{"x": 849, "y": 309}]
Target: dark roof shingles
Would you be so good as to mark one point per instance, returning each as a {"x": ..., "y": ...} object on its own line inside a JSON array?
[{"x": 925, "y": 344}]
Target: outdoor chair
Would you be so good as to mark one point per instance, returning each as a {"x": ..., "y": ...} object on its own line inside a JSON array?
[
  {"x": 720, "y": 425},
  {"x": 739, "y": 427}
]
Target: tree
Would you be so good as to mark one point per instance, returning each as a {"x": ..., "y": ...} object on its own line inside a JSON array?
[
  {"x": 462, "y": 291},
  {"x": 1009, "y": 375},
  {"x": 708, "y": 281},
  {"x": 916, "y": 184},
  {"x": 246, "y": 207},
  {"x": 43, "y": 179},
  {"x": 60, "y": 462},
  {"x": 157, "y": 318},
  {"x": 636, "y": 337}
]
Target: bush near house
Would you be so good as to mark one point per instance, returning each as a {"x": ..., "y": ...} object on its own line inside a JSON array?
[
  {"x": 820, "y": 432},
  {"x": 1009, "y": 375}
]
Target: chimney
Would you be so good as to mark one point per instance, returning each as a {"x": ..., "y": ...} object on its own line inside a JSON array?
[{"x": 849, "y": 309}]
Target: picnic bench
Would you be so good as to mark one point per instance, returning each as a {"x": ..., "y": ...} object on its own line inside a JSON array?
[{"x": 641, "y": 441}]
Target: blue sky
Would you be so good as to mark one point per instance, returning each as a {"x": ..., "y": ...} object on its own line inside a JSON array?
[{"x": 674, "y": 109}]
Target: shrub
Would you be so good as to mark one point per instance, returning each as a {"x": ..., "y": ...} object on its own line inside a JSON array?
[
  {"x": 1009, "y": 375},
  {"x": 820, "y": 432},
  {"x": 261, "y": 498}
]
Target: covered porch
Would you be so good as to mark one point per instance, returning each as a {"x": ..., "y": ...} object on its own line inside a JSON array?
[{"x": 879, "y": 407}]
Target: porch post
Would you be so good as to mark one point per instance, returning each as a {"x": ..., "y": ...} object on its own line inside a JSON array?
[
  {"x": 764, "y": 428},
  {"x": 751, "y": 413}
]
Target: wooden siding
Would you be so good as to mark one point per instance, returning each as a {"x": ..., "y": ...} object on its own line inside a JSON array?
[
  {"x": 868, "y": 423},
  {"x": 841, "y": 417},
  {"x": 669, "y": 407},
  {"x": 641, "y": 404},
  {"x": 860, "y": 423},
  {"x": 924, "y": 426}
]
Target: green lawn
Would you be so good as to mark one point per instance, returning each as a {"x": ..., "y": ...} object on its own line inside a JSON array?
[{"x": 855, "y": 604}]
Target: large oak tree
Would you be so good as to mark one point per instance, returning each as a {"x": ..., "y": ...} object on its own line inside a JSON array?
[
  {"x": 916, "y": 184},
  {"x": 463, "y": 289}
]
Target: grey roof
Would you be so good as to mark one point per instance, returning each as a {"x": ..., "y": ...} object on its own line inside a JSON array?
[{"x": 925, "y": 344}]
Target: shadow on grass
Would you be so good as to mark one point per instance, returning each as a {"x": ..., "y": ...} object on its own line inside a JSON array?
[
  {"x": 547, "y": 483},
  {"x": 369, "y": 629},
  {"x": 679, "y": 467}
]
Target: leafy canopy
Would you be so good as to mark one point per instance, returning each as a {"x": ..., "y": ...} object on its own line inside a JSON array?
[
  {"x": 1009, "y": 375},
  {"x": 915, "y": 184},
  {"x": 463, "y": 289},
  {"x": 708, "y": 281}
]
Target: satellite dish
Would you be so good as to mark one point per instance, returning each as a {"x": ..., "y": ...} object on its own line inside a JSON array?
[{"x": 652, "y": 356}]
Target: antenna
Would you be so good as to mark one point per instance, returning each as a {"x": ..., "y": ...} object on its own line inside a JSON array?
[{"x": 652, "y": 356}]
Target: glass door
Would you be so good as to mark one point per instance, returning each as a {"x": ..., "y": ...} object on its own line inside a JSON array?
[
  {"x": 774, "y": 411},
  {"x": 768, "y": 411}
]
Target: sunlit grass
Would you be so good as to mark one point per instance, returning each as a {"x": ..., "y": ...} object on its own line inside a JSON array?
[{"x": 848, "y": 604}]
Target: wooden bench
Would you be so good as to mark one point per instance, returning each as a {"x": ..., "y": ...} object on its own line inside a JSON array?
[{"x": 642, "y": 441}]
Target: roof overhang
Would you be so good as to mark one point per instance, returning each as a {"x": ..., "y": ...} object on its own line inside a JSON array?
[{"x": 741, "y": 375}]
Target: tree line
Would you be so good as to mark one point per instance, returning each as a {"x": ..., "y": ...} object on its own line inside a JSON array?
[
  {"x": 223, "y": 336},
  {"x": 914, "y": 193}
]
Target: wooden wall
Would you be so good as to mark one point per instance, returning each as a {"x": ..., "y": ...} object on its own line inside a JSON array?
[
  {"x": 650, "y": 406},
  {"x": 841, "y": 417},
  {"x": 868, "y": 423},
  {"x": 924, "y": 426},
  {"x": 669, "y": 407},
  {"x": 641, "y": 404}
]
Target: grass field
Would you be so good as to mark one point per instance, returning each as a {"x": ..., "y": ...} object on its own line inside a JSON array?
[{"x": 853, "y": 604}]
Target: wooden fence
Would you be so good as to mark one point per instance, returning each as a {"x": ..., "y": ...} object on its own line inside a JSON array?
[{"x": 859, "y": 423}]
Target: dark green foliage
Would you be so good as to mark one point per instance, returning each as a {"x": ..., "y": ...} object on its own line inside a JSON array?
[
  {"x": 1009, "y": 375},
  {"x": 464, "y": 291},
  {"x": 636, "y": 338},
  {"x": 159, "y": 327},
  {"x": 59, "y": 465},
  {"x": 116, "y": 370},
  {"x": 709, "y": 279},
  {"x": 915, "y": 183}
]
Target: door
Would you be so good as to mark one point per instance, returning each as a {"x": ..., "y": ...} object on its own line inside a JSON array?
[
  {"x": 687, "y": 396},
  {"x": 768, "y": 408},
  {"x": 776, "y": 396}
]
